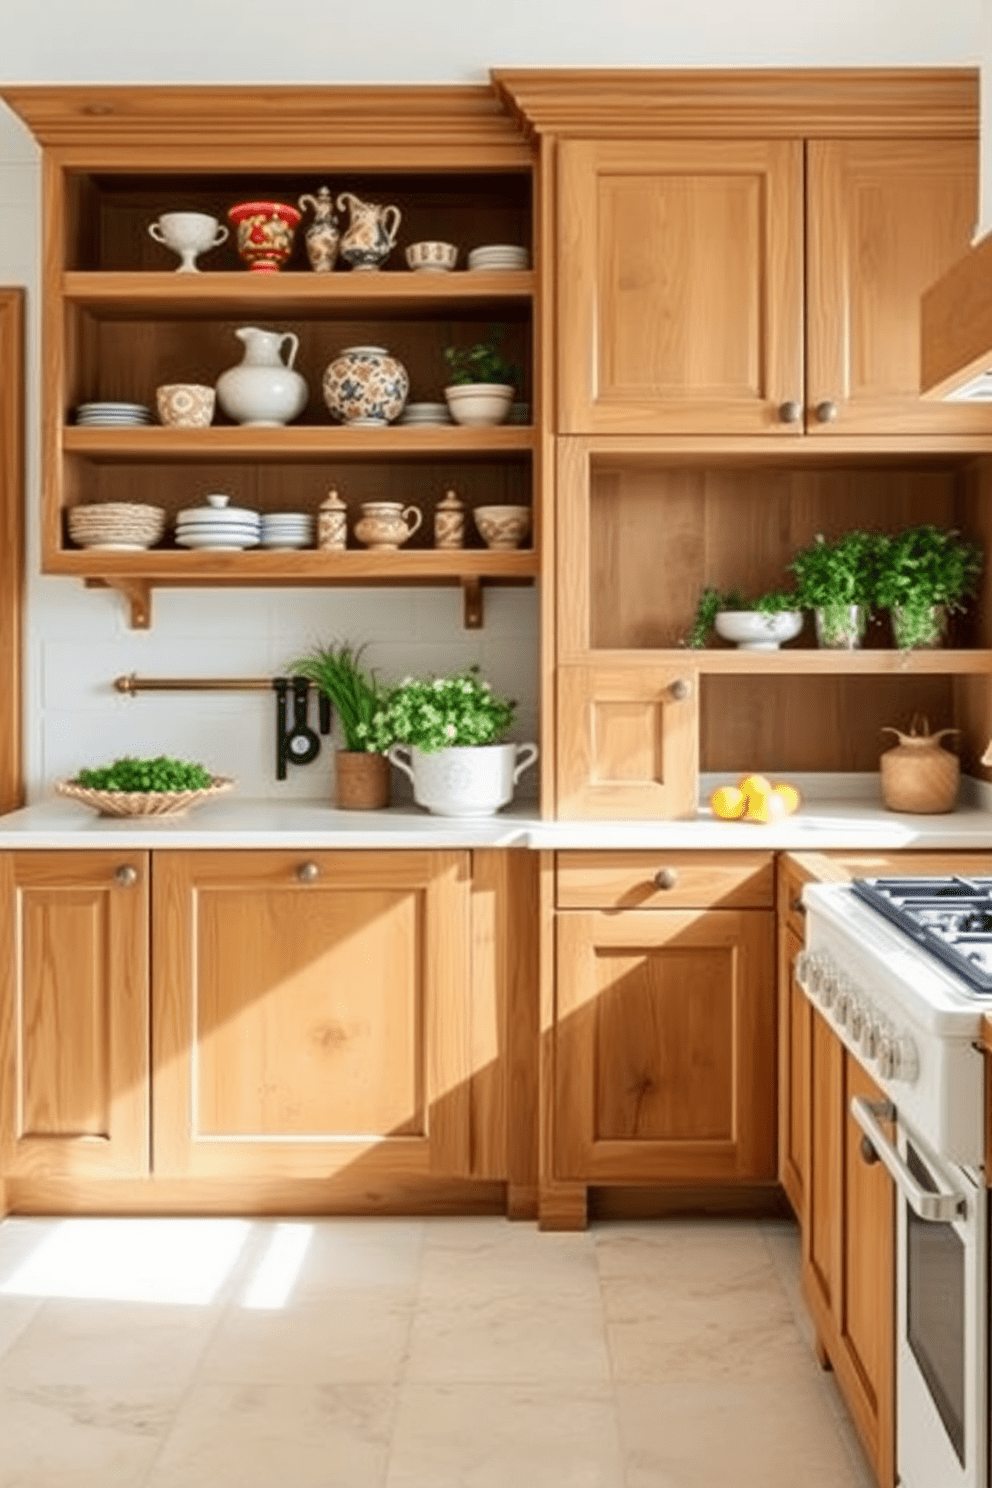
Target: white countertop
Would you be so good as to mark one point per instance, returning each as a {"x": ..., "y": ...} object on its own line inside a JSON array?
[{"x": 856, "y": 820}]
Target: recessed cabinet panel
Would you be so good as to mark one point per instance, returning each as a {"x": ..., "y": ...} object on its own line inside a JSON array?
[
  {"x": 679, "y": 285},
  {"x": 74, "y": 1015},
  {"x": 886, "y": 218},
  {"x": 298, "y": 997},
  {"x": 627, "y": 742},
  {"x": 664, "y": 1046}
]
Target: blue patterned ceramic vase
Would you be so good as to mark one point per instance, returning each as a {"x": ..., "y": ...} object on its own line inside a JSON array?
[{"x": 365, "y": 386}]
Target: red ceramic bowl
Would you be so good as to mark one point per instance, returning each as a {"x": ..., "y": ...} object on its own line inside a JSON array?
[{"x": 265, "y": 233}]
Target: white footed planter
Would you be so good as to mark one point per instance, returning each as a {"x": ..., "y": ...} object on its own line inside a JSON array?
[
  {"x": 472, "y": 781},
  {"x": 479, "y": 404}
]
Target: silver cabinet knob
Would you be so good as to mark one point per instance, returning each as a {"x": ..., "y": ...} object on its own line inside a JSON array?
[
  {"x": 307, "y": 872},
  {"x": 680, "y": 689},
  {"x": 826, "y": 411},
  {"x": 126, "y": 876},
  {"x": 790, "y": 412},
  {"x": 666, "y": 878}
]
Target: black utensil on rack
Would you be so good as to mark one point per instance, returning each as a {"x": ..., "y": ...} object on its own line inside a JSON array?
[{"x": 297, "y": 744}]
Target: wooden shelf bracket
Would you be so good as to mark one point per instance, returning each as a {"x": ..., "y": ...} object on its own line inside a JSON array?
[
  {"x": 472, "y": 603},
  {"x": 137, "y": 597}
]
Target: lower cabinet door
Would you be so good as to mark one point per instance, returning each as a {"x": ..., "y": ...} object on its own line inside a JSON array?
[
  {"x": 665, "y": 1046},
  {"x": 310, "y": 1012},
  {"x": 73, "y": 1014},
  {"x": 793, "y": 1083}
]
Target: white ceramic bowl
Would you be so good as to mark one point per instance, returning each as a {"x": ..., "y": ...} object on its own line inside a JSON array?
[
  {"x": 432, "y": 258},
  {"x": 479, "y": 404},
  {"x": 753, "y": 631}
]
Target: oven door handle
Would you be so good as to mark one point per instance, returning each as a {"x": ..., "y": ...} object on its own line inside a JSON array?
[{"x": 937, "y": 1208}]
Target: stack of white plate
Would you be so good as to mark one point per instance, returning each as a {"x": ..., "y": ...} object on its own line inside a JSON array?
[
  {"x": 425, "y": 414},
  {"x": 498, "y": 256},
  {"x": 287, "y": 530},
  {"x": 218, "y": 526},
  {"x": 113, "y": 415}
]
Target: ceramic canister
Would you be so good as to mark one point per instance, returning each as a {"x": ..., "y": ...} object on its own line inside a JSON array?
[{"x": 366, "y": 386}]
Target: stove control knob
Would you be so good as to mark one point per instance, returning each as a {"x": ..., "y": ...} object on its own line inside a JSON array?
[
  {"x": 842, "y": 1003},
  {"x": 856, "y": 1019},
  {"x": 887, "y": 1057},
  {"x": 907, "y": 1061},
  {"x": 870, "y": 1039}
]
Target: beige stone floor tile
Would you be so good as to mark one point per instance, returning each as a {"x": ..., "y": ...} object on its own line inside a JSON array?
[
  {"x": 278, "y": 1436},
  {"x": 360, "y": 1253},
  {"x": 135, "y": 1350},
  {"x": 475, "y": 1260},
  {"x": 494, "y": 1436},
  {"x": 15, "y": 1314},
  {"x": 359, "y": 1336},
  {"x": 694, "y": 1256},
  {"x": 740, "y": 1435},
  {"x": 516, "y": 1339},
  {"x": 76, "y": 1436}
]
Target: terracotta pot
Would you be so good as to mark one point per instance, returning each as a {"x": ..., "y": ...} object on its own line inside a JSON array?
[
  {"x": 361, "y": 780},
  {"x": 917, "y": 775}
]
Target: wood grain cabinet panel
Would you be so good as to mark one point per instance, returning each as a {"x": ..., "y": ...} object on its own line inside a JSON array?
[
  {"x": 310, "y": 1009},
  {"x": 664, "y": 1046},
  {"x": 680, "y": 285},
  {"x": 73, "y": 1014}
]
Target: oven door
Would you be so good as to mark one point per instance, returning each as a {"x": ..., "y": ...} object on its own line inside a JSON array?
[{"x": 941, "y": 1332}]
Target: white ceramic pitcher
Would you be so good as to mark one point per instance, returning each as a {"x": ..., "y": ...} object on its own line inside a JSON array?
[{"x": 263, "y": 390}]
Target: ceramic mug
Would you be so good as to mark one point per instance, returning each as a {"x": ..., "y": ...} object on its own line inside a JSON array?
[{"x": 188, "y": 233}]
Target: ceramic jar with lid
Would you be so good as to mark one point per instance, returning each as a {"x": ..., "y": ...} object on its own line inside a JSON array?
[
  {"x": 332, "y": 524},
  {"x": 449, "y": 522},
  {"x": 366, "y": 387}
]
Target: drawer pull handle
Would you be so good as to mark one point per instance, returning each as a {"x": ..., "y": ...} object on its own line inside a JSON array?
[
  {"x": 680, "y": 689},
  {"x": 666, "y": 878},
  {"x": 126, "y": 876},
  {"x": 307, "y": 872}
]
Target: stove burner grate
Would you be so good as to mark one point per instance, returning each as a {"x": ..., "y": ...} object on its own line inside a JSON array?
[{"x": 950, "y": 917}]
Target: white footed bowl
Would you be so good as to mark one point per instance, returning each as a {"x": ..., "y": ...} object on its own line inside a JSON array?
[{"x": 753, "y": 631}]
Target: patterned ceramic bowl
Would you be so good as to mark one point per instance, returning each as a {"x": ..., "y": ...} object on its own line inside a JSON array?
[
  {"x": 185, "y": 405},
  {"x": 502, "y": 527},
  {"x": 365, "y": 386},
  {"x": 432, "y": 258},
  {"x": 265, "y": 233}
]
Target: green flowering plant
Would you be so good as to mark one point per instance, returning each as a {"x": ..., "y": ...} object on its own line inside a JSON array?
[{"x": 448, "y": 712}]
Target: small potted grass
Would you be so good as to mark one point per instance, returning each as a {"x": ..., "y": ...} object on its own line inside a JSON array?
[{"x": 359, "y": 700}]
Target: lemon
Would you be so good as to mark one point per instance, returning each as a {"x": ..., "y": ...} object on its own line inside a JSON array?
[
  {"x": 755, "y": 788},
  {"x": 728, "y": 802},
  {"x": 789, "y": 795},
  {"x": 768, "y": 808}
]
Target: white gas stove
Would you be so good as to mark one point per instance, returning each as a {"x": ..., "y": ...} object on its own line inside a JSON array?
[{"x": 901, "y": 969}]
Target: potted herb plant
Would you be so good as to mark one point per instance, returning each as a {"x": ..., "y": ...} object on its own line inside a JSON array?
[
  {"x": 837, "y": 581},
  {"x": 760, "y": 624},
  {"x": 449, "y": 733},
  {"x": 361, "y": 769},
  {"x": 924, "y": 573},
  {"x": 482, "y": 382}
]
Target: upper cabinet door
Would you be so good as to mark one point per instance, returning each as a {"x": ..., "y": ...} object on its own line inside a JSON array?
[
  {"x": 680, "y": 298},
  {"x": 885, "y": 219}
]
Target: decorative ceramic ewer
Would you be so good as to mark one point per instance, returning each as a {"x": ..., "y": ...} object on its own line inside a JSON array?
[
  {"x": 917, "y": 775},
  {"x": 263, "y": 390},
  {"x": 474, "y": 780},
  {"x": 368, "y": 239},
  {"x": 322, "y": 236},
  {"x": 265, "y": 233},
  {"x": 386, "y": 525},
  {"x": 361, "y": 780},
  {"x": 366, "y": 386},
  {"x": 840, "y": 627}
]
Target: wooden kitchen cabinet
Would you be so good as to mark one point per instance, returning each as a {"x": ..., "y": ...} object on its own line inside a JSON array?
[
  {"x": 310, "y": 1014},
  {"x": 747, "y": 286},
  {"x": 848, "y": 1265},
  {"x": 74, "y": 1020},
  {"x": 664, "y": 1027}
]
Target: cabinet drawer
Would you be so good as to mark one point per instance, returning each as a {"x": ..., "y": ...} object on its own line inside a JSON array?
[{"x": 664, "y": 880}]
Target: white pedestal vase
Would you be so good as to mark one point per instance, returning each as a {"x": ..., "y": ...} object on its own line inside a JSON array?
[{"x": 468, "y": 781}]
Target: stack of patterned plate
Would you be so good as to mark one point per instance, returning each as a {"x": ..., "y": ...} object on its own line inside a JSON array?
[
  {"x": 498, "y": 256},
  {"x": 287, "y": 530},
  {"x": 123, "y": 525},
  {"x": 218, "y": 526},
  {"x": 425, "y": 414},
  {"x": 113, "y": 415}
]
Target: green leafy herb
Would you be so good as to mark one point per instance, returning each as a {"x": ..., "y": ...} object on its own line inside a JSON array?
[
  {"x": 482, "y": 362},
  {"x": 922, "y": 570},
  {"x": 448, "y": 712},
  {"x": 160, "y": 774},
  {"x": 712, "y": 601},
  {"x": 835, "y": 575},
  {"x": 357, "y": 696}
]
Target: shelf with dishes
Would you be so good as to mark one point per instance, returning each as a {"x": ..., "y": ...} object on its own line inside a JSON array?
[
  {"x": 800, "y": 661},
  {"x": 295, "y": 442}
]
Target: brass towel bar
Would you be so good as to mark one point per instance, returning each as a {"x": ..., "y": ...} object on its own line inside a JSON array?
[{"x": 133, "y": 683}]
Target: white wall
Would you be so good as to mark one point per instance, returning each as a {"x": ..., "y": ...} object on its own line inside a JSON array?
[{"x": 77, "y": 639}]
